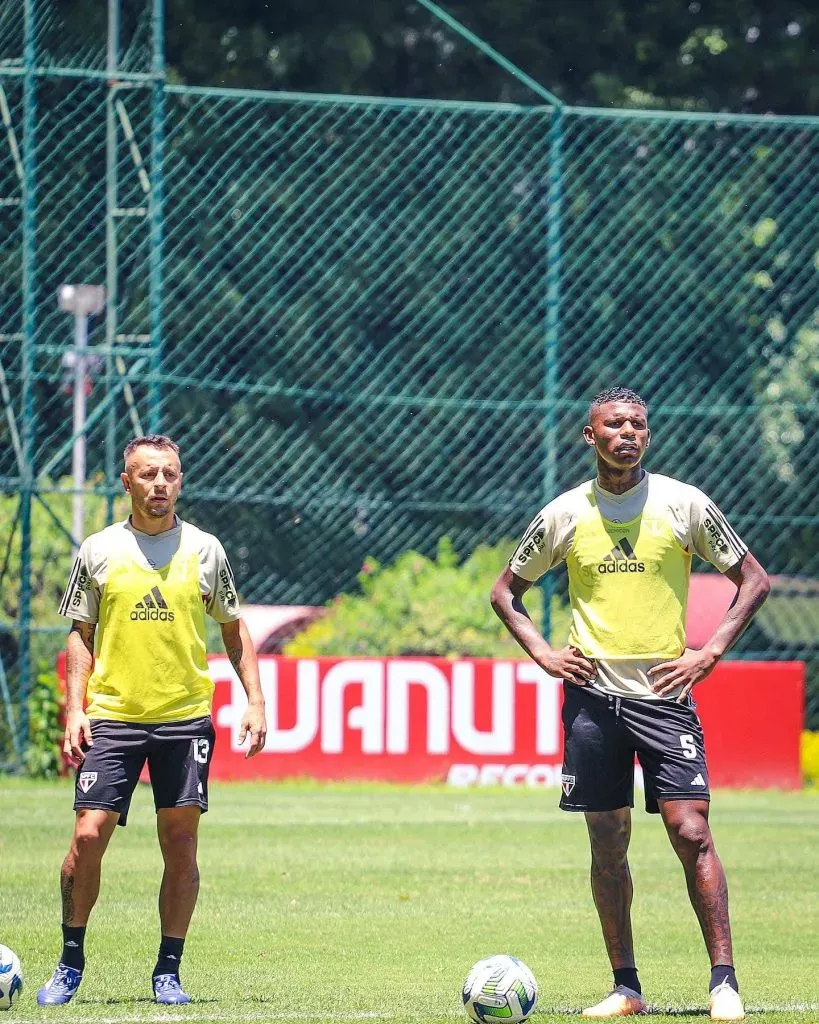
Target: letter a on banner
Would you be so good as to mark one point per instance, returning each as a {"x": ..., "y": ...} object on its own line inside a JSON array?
[{"x": 368, "y": 717}]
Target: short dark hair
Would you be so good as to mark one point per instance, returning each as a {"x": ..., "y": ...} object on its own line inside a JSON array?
[
  {"x": 149, "y": 441},
  {"x": 618, "y": 394}
]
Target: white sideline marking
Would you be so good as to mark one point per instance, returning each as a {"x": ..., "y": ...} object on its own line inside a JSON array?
[
  {"x": 272, "y": 1014},
  {"x": 261, "y": 1015}
]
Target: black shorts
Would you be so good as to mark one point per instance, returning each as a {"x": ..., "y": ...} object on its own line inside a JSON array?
[
  {"x": 178, "y": 756},
  {"x": 602, "y": 734}
]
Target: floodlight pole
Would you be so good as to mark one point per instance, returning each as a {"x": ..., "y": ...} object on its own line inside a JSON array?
[
  {"x": 78, "y": 450},
  {"x": 81, "y": 300}
]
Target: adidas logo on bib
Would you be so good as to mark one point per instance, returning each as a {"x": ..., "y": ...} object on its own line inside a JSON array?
[
  {"x": 621, "y": 558},
  {"x": 152, "y": 608}
]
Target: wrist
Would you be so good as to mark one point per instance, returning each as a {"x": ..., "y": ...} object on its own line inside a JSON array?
[
  {"x": 712, "y": 654},
  {"x": 544, "y": 657},
  {"x": 256, "y": 702}
]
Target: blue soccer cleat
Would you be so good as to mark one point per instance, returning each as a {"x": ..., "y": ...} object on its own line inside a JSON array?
[
  {"x": 168, "y": 990},
  {"x": 61, "y": 987}
]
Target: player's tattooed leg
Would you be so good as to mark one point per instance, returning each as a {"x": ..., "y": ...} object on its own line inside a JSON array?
[
  {"x": 686, "y": 822},
  {"x": 67, "y": 894},
  {"x": 609, "y": 834}
]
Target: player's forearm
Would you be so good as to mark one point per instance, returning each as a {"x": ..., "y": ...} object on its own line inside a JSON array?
[
  {"x": 239, "y": 648},
  {"x": 79, "y": 663},
  {"x": 510, "y": 609},
  {"x": 753, "y": 588}
]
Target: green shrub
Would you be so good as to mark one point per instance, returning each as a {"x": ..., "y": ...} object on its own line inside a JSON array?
[
  {"x": 43, "y": 756},
  {"x": 423, "y": 607}
]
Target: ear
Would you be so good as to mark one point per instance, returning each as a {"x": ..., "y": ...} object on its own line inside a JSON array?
[
  {"x": 588, "y": 435},
  {"x": 125, "y": 482},
  {"x": 648, "y": 438}
]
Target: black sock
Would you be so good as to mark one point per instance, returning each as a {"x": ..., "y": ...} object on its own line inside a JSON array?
[
  {"x": 73, "y": 954},
  {"x": 721, "y": 973},
  {"x": 627, "y": 976},
  {"x": 170, "y": 953}
]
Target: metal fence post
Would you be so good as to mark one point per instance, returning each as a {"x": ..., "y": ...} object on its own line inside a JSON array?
[
  {"x": 112, "y": 296},
  {"x": 551, "y": 367},
  {"x": 29, "y": 323},
  {"x": 157, "y": 213}
]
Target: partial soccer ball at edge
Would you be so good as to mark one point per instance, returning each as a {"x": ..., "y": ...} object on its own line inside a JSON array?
[
  {"x": 500, "y": 988},
  {"x": 11, "y": 978}
]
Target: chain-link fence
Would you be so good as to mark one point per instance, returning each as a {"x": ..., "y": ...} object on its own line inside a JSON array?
[{"x": 370, "y": 323}]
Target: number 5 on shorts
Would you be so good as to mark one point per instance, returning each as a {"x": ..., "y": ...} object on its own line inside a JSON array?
[{"x": 689, "y": 748}]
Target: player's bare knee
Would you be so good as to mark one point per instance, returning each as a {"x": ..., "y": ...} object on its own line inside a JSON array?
[
  {"x": 608, "y": 847},
  {"x": 88, "y": 842},
  {"x": 179, "y": 845},
  {"x": 609, "y": 834},
  {"x": 691, "y": 833}
]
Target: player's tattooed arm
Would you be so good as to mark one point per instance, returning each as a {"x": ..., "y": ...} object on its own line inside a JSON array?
[
  {"x": 682, "y": 674},
  {"x": 568, "y": 664},
  {"x": 239, "y": 648},
  {"x": 79, "y": 662},
  {"x": 234, "y": 648},
  {"x": 86, "y": 632}
]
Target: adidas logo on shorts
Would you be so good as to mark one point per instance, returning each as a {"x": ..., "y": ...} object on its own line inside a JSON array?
[{"x": 152, "y": 608}]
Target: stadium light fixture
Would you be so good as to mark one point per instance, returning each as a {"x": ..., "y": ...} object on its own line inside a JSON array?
[{"x": 83, "y": 301}]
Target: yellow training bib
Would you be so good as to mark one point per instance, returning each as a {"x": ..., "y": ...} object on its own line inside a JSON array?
[
  {"x": 628, "y": 587},
  {"x": 151, "y": 663}
]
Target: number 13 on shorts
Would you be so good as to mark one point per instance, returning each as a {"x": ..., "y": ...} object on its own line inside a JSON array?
[{"x": 201, "y": 749}]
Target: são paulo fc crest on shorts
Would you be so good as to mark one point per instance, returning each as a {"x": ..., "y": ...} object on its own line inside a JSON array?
[
  {"x": 87, "y": 780},
  {"x": 567, "y": 782}
]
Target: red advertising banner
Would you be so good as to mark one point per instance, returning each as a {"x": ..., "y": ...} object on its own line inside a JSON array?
[{"x": 479, "y": 722}]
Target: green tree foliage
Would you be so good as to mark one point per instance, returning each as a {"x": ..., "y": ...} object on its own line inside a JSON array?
[
  {"x": 43, "y": 757},
  {"x": 740, "y": 55},
  {"x": 423, "y": 606},
  {"x": 52, "y": 558},
  {"x": 338, "y": 258}
]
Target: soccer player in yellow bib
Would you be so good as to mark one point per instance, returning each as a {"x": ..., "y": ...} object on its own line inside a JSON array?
[
  {"x": 138, "y": 595},
  {"x": 627, "y": 538}
]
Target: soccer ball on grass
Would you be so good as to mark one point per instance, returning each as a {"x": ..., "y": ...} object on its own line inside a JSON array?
[
  {"x": 11, "y": 978},
  {"x": 500, "y": 988}
]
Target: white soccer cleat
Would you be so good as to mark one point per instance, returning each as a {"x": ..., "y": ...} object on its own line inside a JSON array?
[
  {"x": 622, "y": 1002},
  {"x": 725, "y": 1003}
]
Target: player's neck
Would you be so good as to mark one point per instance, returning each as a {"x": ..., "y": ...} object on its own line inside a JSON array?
[
  {"x": 151, "y": 526},
  {"x": 618, "y": 481}
]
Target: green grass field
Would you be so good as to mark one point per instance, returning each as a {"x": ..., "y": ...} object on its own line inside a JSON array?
[{"x": 352, "y": 903}]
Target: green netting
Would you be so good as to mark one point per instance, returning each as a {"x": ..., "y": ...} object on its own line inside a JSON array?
[
  {"x": 371, "y": 323},
  {"x": 352, "y": 287},
  {"x": 12, "y": 36},
  {"x": 71, "y": 41}
]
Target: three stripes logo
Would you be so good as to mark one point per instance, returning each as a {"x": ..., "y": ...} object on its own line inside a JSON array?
[
  {"x": 152, "y": 608},
  {"x": 621, "y": 558}
]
